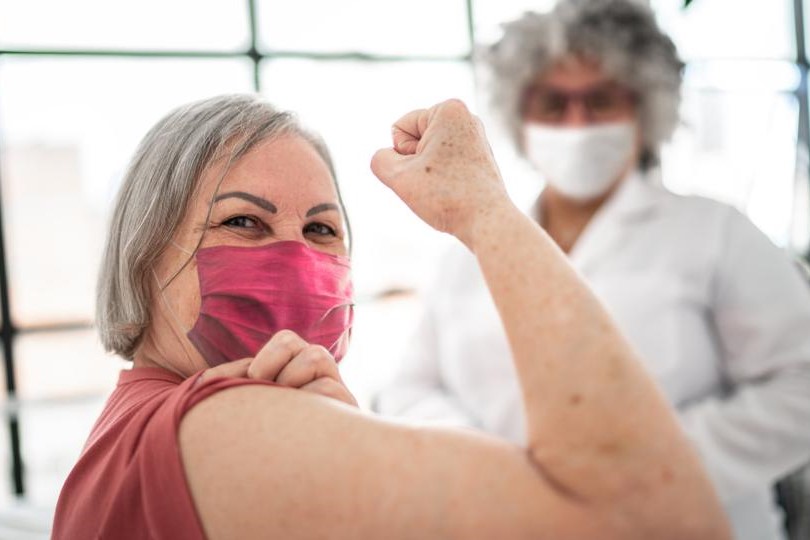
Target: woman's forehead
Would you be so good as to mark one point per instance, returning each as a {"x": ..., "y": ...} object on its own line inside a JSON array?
[
  {"x": 574, "y": 73},
  {"x": 284, "y": 167}
]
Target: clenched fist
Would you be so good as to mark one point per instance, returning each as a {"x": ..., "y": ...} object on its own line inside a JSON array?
[{"x": 442, "y": 167}]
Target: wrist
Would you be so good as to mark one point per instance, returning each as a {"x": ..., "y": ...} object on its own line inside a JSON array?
[{"x": 489, "y": 223}]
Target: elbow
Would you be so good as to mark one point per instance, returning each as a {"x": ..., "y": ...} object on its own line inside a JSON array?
[
  {"x": 686, "y": 509},
  {"x": 634, "y": 501}
]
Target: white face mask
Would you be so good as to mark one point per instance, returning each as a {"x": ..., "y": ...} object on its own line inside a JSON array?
[{"x": 581, "y": 162}]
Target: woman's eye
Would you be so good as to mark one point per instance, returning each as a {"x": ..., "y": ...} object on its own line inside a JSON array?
[
  {"x": 242, "y": 222},
  {"x": 320, "y": 229}
]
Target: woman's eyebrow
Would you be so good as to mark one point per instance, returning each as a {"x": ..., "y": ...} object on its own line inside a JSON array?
[
  {"x": 258, "y": 201},
  {"x": 322, "y": 208}
]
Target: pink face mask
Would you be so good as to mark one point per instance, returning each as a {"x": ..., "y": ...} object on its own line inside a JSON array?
[{"x": 250, "y": 293}]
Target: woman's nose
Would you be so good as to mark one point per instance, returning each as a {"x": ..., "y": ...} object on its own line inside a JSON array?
[{"x": 576, "y": 114}]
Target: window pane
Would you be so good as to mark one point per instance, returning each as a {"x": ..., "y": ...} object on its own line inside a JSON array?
[
  {"x": 747, "y": 75},
  {"x": 52, "y": 437},
  {"x": 68, "y": 129},
  {"x": 806, "y": 21},
  {"x": 66, "y": 364},
  {"x": 418, "y": 27},
  {"x": 738, "y": 141},
  {"x": 63, "y": 379},
  {"x": 353, "y": 104},
  {"x": 750, "y": 28},
  {"x": 6, "y": 488},
  {"x": 723, "y": 29},
  {"x": 6, "y": 484},
  {"x": 800, "y": 237},
  {"x": 142, "y": 25}
]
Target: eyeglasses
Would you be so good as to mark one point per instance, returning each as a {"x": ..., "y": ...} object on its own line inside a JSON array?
[{"x": 600, "y": 104}]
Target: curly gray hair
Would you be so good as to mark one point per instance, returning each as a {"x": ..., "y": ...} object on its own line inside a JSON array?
[
  {"x": 621, "y": 35},
  {"x": 161, "y": 180}
]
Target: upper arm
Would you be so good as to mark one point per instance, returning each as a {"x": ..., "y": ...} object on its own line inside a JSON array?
[{"x": 271, "y": 462}]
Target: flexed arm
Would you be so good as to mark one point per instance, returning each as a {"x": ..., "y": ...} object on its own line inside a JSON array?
[
  {"x": 606, "y": 458},
  {"x": 598, "y": 428}
]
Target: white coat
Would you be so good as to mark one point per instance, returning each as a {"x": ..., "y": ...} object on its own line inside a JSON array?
[{"x": 717, "y": 313}]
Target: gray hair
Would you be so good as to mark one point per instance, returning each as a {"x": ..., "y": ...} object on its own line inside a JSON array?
[
  {"x": 162, "y": 177},
  {"x": 621, "y": 35}
]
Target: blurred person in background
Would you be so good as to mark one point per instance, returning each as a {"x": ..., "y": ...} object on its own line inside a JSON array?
[
  {"x": 719, "y": 315},
  {"x": 226, "y": 281}
]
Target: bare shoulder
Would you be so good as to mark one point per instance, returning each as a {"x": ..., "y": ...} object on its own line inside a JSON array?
[{"x": 263, "y": 461}]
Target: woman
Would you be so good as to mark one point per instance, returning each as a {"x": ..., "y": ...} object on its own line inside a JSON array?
[
  {"x": 718, "y": 315},
  {"x": 229, "y": 231}
]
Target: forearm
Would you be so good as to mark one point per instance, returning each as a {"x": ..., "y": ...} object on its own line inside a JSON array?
[{"x": 596, "y": 422}]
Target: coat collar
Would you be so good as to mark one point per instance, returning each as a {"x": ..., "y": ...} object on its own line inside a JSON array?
[
  {"x": 635, "y": 200},
  {"x": 636, "y": 196}
]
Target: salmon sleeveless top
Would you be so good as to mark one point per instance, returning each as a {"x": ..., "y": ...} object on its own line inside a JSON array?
[{"x": 129, "y": 482}]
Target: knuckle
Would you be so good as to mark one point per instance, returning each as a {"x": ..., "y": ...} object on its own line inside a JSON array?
[
  {"x": 285, "y": 336},
  {"x": 317, "y": 354},
  {"x": 455, "y": 108},
  {"x": 254, "y": 369},
  {"x": 455, "y": 103},
  {"x": 319, "y": 351},
  {"x": 287, "y": 340}
]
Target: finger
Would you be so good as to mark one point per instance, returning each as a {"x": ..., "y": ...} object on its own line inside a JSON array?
[
  {"x": 331, "y": 389},
  {"x": 386, "y": 163},
  {"x": 314, "y": 362},
  {"x": 276, "y": 353},
  {"x": 237, "y": 368},
  {"x": 405, "y": 143},
  {"x": 451, "y": 108},
  {"x": 408, "y": 131}
]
